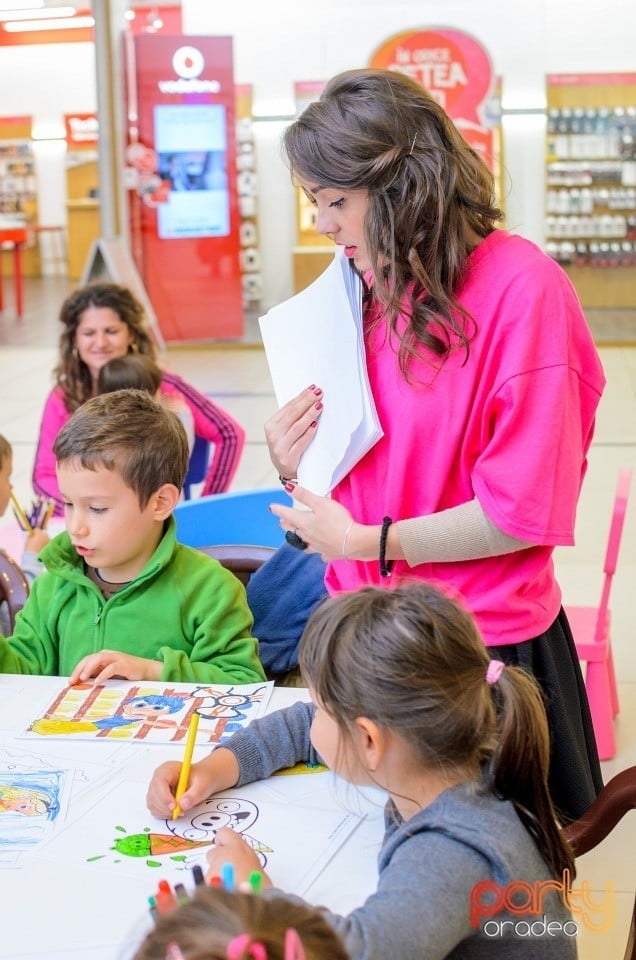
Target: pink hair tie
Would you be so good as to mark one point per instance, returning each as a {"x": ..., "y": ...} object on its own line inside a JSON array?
[
  {"x": 243, "y": 945},
  {"x": 494, "y": 671},
  {"x": 294, "y": 949}
]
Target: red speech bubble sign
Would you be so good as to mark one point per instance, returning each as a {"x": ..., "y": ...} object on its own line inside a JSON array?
[{"x": 450, "y": 64}]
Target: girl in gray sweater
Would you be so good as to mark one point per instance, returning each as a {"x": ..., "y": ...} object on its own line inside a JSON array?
[{"x": 404, "y": 697}]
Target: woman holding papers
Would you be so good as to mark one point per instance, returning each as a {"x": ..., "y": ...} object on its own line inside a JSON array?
[{"x": 486, "y": 383}]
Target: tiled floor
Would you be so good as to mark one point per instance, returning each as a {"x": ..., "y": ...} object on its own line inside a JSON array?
[{"x": 237, "y": 377}]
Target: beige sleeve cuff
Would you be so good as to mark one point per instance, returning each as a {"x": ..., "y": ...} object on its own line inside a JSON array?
[{"x": 461, "y": 533}]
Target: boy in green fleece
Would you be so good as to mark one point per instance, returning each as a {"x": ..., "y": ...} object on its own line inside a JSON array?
[{"x": 121, "y": 597}]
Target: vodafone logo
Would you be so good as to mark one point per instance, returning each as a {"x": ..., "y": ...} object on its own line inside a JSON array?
[{"x": 188, "y": 62}]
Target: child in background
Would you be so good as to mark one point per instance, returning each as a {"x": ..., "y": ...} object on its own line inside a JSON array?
[
  {"x": 217, "y": 925},
  {"x": 35, "y": 541},
  {"x": 405, "y": 698},
  {"x": 101, "y": 321},
  {"x": 121, "y": 598},
  {"x": 138, "y": 371}
]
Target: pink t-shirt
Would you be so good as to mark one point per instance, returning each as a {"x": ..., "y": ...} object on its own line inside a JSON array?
[{"x": 511, "y": 426}]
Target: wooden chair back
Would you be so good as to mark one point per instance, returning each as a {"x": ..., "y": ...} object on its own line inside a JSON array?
[
  {"x": 617, "y": 797},
  {"x": 242, "y": 559}
]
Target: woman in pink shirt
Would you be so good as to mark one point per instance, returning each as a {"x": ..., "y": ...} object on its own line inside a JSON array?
[
  {"x": 486, "y": 382},
  {"x": 103, "y": 321}
]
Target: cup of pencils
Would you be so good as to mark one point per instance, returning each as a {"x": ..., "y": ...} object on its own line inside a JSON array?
[{"x": 39, "y": 515}]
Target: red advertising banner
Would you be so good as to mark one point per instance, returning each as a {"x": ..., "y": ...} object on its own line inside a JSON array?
[
  {"x": 182, "y": 187},
  {"x": 82, "y": 130},
  {"x": 455, "y": 69}
]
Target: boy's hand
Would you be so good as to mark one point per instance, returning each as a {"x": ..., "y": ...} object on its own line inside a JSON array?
[
  {"x": 218, "y": 771},
  {"x": 112, "y": 663},
  {"x": 230, "y": 847},
  {"x": 36, "y": 541}
]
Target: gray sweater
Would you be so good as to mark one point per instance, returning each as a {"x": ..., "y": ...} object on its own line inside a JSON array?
[{"x": 428, "y": 866}]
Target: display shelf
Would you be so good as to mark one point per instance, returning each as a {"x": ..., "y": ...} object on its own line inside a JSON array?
[
  {"x": 590, "y": 223},
  {"x": 247, "y": 190},
  {"x": 18, "y": 189}
]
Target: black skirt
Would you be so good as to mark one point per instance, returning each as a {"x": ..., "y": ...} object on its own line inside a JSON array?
[{"x": 575, "y": 772}]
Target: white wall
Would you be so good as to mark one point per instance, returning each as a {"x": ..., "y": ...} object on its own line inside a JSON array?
[{"x": 282, "y": 41}]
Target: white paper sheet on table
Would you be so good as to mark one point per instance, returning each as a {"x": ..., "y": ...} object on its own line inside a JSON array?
[
  {"x": 33, "y": 804},
  {"x": 316, "y": 337},
  {"x": 118, "y": 834}
]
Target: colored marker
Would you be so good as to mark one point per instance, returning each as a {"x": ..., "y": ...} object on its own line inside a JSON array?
[
  {"x": 256, "y": 881},
  {"x": 215, "y": 881},
  {"x": 197, "y": 875},
  {"x": 154, "y": 913},
  {"x": 21, "y": 516},
  {"x": 166, "y": 900},
  {"x": 227, "y": 876},
  {"x": 184, "y": 776},
  {"x": 181, "y": 893}
]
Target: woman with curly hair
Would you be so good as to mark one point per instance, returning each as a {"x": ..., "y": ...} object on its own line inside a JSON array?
[{"x": 103, "y": 321}]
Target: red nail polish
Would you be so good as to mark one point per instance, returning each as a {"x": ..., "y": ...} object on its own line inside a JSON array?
[
  {"x": 290, "y": 487},
  {"x": 314, "y": 424},
  {"x": 319, "y": 405},
  {"x": 318, "y": 391},
  {"x": 312, "y": 386}
]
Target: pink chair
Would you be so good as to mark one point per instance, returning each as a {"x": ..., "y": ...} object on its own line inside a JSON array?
[{"x": 591, "y": 630}]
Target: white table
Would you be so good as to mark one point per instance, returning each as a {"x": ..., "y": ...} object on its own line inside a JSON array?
[{"x": 50, "y": 911}]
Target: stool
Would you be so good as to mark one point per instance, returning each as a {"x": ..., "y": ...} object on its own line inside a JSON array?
[
  {"x": 56, "y": 253},
  {"x": 14, "y": 235}
]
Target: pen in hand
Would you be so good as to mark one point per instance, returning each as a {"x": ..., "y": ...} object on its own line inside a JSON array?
[{"x": 184, "y": 776}]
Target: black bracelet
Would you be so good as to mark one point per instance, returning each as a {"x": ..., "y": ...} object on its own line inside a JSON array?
[
  {"x": 286, "y": 480},
  {"x": 294, "y": 540},
  {"x": 385, "y": 566}
]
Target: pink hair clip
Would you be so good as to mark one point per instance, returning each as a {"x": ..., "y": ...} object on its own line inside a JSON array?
[
  {"x": 243, "y": 945},
  {"x": 294, "y": 949},
  {"x": 494, "y": 671}
]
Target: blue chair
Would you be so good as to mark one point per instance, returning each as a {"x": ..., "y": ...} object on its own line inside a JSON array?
[
  {"x": 241, "y": 517},
  {"x": 198, "y": 465}
]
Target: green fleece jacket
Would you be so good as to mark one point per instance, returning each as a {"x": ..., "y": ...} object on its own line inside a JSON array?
[{"x": 184, "y": 609}]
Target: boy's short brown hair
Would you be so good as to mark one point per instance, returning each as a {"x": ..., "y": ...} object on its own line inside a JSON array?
[{"x": 127, "y": 431}]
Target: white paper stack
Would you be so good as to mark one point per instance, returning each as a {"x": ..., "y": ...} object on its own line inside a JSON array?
[{"x": 316, "y": 337}]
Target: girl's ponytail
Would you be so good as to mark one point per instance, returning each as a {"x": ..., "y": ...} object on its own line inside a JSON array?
[{"x": 520, "y": 761}]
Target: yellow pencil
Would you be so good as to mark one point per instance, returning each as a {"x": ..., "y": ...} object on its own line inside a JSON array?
[
  {"x": 49, "y": 513},
  {"x": 21, "y": 515},
  {"x": 187, "y": 763}
]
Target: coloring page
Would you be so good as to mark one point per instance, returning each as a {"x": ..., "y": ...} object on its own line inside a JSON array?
[
  {"x": 147, "y": 712},
  {"x": 85, "y": 774},
  {"x": 32, "y": 805},
  {"x": 118, "y": 834}
]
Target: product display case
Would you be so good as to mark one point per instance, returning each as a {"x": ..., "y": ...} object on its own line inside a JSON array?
[
  {"x": 247, "y": 190},
  {"x": 18, "y": 190},
  {"x": 590, "y": 222}
]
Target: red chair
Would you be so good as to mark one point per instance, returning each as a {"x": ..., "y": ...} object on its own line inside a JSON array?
[{"x": 591, "y": 631}]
